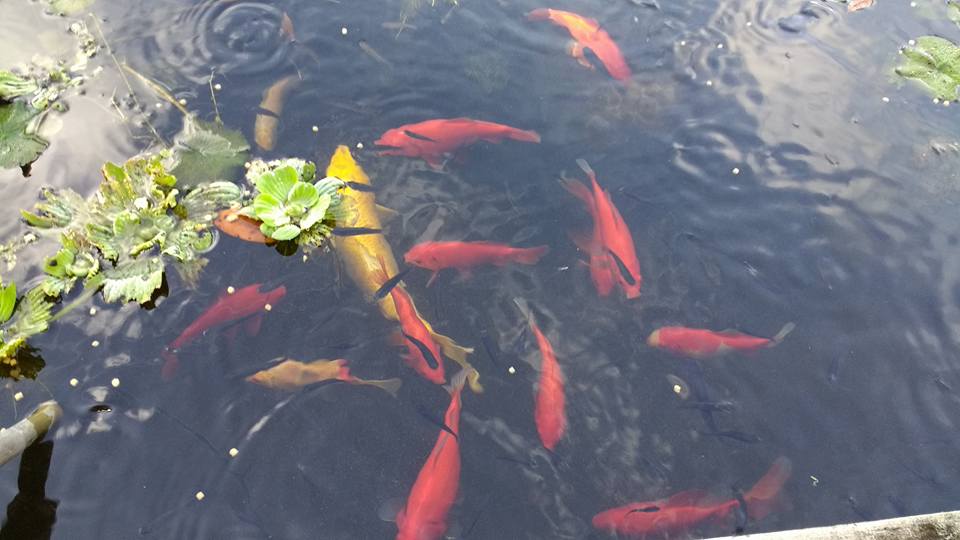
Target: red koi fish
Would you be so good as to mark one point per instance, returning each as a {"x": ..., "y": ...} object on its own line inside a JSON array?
[
  {"x": 700, "y": 343},
  {"x": 424, "y": 517},
  {"x": 550, "y": 407},
  {"x": 686, "y": 509},
  {"x": 587, "y": 34},
  {"x": 432, "y": 139},
  {"x": 228, "y": 308},
  {"x": 437, "y": 256},
  {"x": 613, "y": 257},
  {"x": 423, "y": 354}
]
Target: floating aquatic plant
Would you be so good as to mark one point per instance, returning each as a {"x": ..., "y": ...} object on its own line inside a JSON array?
[
  {"x": 935, "y": 62},
  {"x": 123, "y": 237},
  {"x": 25, "y": 98},
  {"x": 290, "y": 205},
  {"x": 205, "y": 151}
]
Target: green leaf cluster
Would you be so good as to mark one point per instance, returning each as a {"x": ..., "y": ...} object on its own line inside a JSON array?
[
  {"x": 291, "y": 206},
  {"x": 935, "y": 62},
  {"x": 205, "y": 151},
  {"x": 124, "y": 235},
  {"x": 18, "y": 321},
  {"x": 19, "y": 143}
]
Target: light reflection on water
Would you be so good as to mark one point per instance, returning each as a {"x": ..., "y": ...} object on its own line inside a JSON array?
[{"x": 839, "y": 218}]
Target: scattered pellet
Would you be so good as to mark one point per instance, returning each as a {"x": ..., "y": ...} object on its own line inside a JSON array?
[
  {"x": 233, "y": 452},
  {"x": 115, "y": 382},
  {"x": 18, "y": 396},
  {"x": 231, "y": 290},
  {"x": 199, "y": 495},
  {"x": 74, "y": 382}
]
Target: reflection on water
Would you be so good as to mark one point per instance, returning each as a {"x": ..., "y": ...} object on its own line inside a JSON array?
[{"x": 767, "y": 164}]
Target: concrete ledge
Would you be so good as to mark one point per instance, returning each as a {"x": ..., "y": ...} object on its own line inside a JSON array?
[{"x": 942, "y": 526}]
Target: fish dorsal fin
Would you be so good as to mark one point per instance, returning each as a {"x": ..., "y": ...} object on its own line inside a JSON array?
[
  {"x": 691, "y": 497},
  {"x": 730, "y": 332}
]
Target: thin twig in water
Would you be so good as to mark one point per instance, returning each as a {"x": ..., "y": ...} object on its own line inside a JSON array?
[
  {"x": 213, "y": 97},
  {"x": 116, "y": 62},
  {"x": 157, "y": 89}
]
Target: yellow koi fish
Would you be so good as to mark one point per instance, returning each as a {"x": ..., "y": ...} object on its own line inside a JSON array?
[
  {"x": 268, "y": 114},
  {"x": 362, "y": 255},
  {"x": 293, "y": 374}
]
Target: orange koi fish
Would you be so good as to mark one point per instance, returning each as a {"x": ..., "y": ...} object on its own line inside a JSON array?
[
  {"x": 246, "y": 302},
  {"x": 613, "y": 257},
  {"x": 463, "y": 256},
  {"x": 550, "y": 407},
  {"x": 423, "y": 354},
  {"x": 700, "y": 343},
  {"x": 587, "y": 34},
  {"x": 267, "y": 121},
  {"x": 237, "y": 225},
  {"x": 292, "y": 374},
  {"x": 686, "y": 509},
  {"x": 432, "y": 139},
  {"x": 424, "y": 517}
]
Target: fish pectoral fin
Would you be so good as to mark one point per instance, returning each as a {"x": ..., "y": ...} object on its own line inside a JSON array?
[
  {"x": 252, "y": 325},
  {"x": 386, "y": 214},
  {"x": 433, "y": 277},
  {"x": 575, "y": 49}
]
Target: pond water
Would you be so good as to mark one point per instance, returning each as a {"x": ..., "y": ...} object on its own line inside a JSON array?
[{"x": 769, "y": 165}]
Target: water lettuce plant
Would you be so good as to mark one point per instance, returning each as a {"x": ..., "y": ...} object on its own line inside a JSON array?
[
  {"x": 935, "y": 62},
  {"x": 124, "y": 236},
  {"x": 290, "y": 205}
]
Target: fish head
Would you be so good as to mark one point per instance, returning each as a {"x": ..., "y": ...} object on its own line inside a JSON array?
[
  {"x": 394, "y": 138},
  {"x": 654, "y": 339},
  {"x": 277, "y": 293},
  {"x": 421, "y": 255},
  {"x": 263, "y": 378}
]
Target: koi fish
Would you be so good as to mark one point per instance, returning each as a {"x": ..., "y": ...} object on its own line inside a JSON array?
[
  {"x": 424, "y": 517},
  {"x": 587, "y": 34},
  {"x": 437, "y": 256},
  {"x": 267, "y": 121},
  {"x": 686, "y": 509},
  {"x": 292, "y": 374},
  {"x": 613, "y": 257},
  {"x": 246, "y": 302},
  {"x": 857, "y": 5},
  {"x": 432, "y": 139},
  {"x": 423, "y": 355},
  {"x": 550, "y": 406},
  {"x": 700, "y": 343},
  {"x": 237, "y": 225},
  {"x": 362, "y": 255}
]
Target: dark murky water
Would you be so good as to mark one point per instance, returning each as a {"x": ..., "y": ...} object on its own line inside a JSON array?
[{"x": 838, "y": 218}]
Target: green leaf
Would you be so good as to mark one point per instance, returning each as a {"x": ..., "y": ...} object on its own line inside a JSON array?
[
  {"x": 277, "y": 183},
  {"x": 315, "y": 215},
  {"x": 935, "y": 62},
  {"x": 18, "y": 147},
  {"x": 207, "y": 198},
  {"x": 302, "y": 194},
  {"x": 268, "y": 210},
  {"x": 12, "y": 86},
  {"x": 286, "y": 232},
  {"x": 70, "y": 7},
  {"x": 31, "y": 316},
  {"x": 206, "y": 151},
  {"x": 134, "y": 280},
  {"x": 8, "y": 299}
]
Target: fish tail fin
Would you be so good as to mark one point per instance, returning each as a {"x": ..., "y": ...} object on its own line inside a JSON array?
[
  {"x": 787, "y": 328},
  {"x": 531, "y": 255},
  {"x": 541, "y": 14},
  {"x": 585, "y": 167},
  {"x": 390, "y": 386},
  {"x": 524, "y": 135},
  {"x": 460, "y": 379},
  {"x": 525, "y": 310},
  {"x": 762, "y": 497},
  {"x": 458, "y": 353},
  {"x": 578, "y": 190},
  {"x": 170, "y": 364},
  {"x": 343, "y": 373}
]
